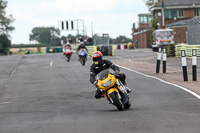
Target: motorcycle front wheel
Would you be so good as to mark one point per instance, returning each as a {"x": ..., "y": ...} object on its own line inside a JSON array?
[
  {"x": 83, "y": 61},
  {"x": 127, "y": 105},
  {"x": 68, "y": 57},
  {"x": 116, "y": 101}
]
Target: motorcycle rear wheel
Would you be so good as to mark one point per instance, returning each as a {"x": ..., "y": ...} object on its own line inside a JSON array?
[{"x": 116, "y": 101}]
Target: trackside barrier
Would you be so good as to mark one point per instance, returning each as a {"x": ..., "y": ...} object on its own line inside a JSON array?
[
  {"x": 91, "y": 50},
  {"x": 158, "y": 61},
  {"x": 55, "y": 49},
  {"x": 164, "y": 60},
  {"x": 194, "y": 65},
  {"x": 184, "y": 65},
  {"x": 188, "y": 50},
  {"x": 120, "y": 46},
  {"x": 161, "y": 54},
  {"x": 114, "y": 47},
  {"x": 125, "y": 46}
]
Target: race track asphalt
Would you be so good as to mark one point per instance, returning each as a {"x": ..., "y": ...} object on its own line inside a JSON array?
[{"x": 45, "y": 94}]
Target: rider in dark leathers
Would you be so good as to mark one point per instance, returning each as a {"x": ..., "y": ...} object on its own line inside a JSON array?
[
  {"x": 81, "y": 46},
  {"x": 100, "y": 65}
]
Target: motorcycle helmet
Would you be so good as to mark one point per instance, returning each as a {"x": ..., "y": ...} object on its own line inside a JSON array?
[
  {"x": 68, "y": 43},
  {"x": 82, "y": 43},
  {"x": 97, "y": 57}
]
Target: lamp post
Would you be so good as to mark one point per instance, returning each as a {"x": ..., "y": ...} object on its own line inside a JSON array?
[
  {"x": 92, "y": 28},
  {"x": 159, "y": 14}
]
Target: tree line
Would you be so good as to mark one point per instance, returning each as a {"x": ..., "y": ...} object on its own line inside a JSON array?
[
  {"x": 50, "y": 36},
  {"x": 42, "y": 36},
  {"x": 5, "y": 28}
]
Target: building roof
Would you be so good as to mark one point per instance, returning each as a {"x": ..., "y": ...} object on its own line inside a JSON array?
[
  {"x": 192, "y": 21},
  {"x": 178, "y": 2},
  {"x": 145, "y": 14}
]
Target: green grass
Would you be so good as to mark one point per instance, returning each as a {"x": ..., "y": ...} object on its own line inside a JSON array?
[{"x": 37, "y": 53}]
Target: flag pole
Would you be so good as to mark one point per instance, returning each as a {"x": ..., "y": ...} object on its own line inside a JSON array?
[{"x": 163, "y": 17}]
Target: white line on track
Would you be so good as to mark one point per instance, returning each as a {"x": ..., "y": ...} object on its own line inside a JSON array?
[
  {"x": 51, "y": 63},
  {"x": 185, "y": 89},
  {"x": 4, "y": 102}
]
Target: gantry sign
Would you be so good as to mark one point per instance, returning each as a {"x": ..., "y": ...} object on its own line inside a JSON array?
[{"x": 72, "y": 25}]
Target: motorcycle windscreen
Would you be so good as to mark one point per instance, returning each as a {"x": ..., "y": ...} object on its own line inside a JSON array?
[
  {"x": 103, "y": 74},
  {"x": 82, "y": 52}
]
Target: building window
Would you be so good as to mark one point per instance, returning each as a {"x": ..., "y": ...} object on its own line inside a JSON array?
[
  {"x": 143, "y": 19},
  {"x": 196, "y": 12},
  {"x": 150, "y": 19},
  {"x": 170, "y": 13},
  {"x": 180, "y": 13}
]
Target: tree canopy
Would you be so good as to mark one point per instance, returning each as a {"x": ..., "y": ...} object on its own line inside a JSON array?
[
  {"x": 5, "y": 28},
  {"x": 120, "y": 39},
  {"x": 5, "y": 44},
  {"x": 51, "y": 36},
  {"x": 45, "y": 35}
]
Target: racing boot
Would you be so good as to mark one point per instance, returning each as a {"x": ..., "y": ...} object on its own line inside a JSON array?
[{"x": 108, "y": 101}]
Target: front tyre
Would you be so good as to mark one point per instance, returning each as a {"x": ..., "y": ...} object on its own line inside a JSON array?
[
  {"x": 68, "y": 57},
  {"x": 83, "y": 61},
  {"x": 116, "y": 101},
  {"x": 127, "y": 105}
]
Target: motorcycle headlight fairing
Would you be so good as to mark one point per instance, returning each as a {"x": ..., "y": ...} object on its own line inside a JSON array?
[{"x": 107, "y": 84}]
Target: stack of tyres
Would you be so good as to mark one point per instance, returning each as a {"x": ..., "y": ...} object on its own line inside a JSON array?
[
  {"x": 178, "y": 49},
  {"x": 198, "y": 50},
  {"x": 188, "y": 49}
]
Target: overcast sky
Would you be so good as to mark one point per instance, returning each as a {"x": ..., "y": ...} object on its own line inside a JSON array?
[{"x": 105, "y": 16}]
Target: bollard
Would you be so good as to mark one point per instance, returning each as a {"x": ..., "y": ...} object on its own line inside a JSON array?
[
  {"x": 184, "y": 65},
  {"x": 164, "y": 60},
  {"x": 194, "y": 65},
  {"x": 158, "y": 60}
]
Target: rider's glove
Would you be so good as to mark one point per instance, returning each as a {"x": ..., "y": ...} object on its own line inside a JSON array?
[
  {"x": 95, "y": 83},
  {"x": 116, "y": 73}
]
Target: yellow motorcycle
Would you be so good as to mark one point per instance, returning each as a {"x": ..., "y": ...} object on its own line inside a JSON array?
[
  {"x": 113, "y": 89},
  {"x": 131, "y": 45}
]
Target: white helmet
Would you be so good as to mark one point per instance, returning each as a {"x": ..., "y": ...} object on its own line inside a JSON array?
[{"x": 81, "y": 43}]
